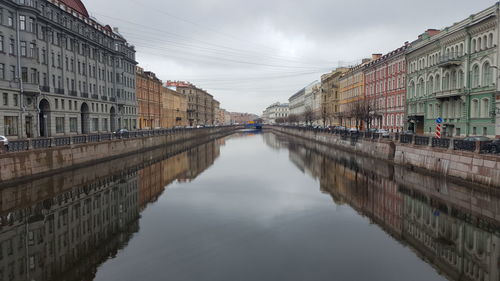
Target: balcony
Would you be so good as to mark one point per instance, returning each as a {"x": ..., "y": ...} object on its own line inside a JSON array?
[
  {"x": 45, "y": 89},
  {"x": 85, "y": 95},
  {"x": 104, "y": 98},
  {"x": 449, "y": 60},
  {"x": 59, "y": 91},
  {"x": 449, "y": 93},
  {"x": 112, "y": 99},
  {"x": 95, "y": 96},
  {"x": 30, "y": 88}
]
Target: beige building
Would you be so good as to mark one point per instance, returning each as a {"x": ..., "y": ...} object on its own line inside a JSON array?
[
  {"x": 173, "y": 108},
  {"x": 200, "y": 109},
  {"x": 330, "y": 96}
]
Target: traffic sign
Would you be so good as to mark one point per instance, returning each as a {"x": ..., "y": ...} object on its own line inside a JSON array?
[{"x": 439, "y": 120}]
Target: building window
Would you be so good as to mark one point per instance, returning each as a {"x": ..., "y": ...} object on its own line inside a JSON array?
[
  {"x": 10, "y": 19},
  {"x": 22, "y": 22},
  {"x": 105, "y": 124},
  {"x": 474, "y": 112},
  {"x": 1, "y": 44},
  {"x": 10, "y": 125},
  {"x": 5, "y": 98},
  {"x": 73, "y": 127},
  {"x": 485, "y": 131},
  {"x": 485, "y": 108},
  {"x": 59, "y": 125},
  {"x": 95, "y": 124},
  {"x": 475, "y": 76},
  {"x": 16, "y": 100},
  {"x": 2, "y": 71},
  {"x": 486, "y": 74}
]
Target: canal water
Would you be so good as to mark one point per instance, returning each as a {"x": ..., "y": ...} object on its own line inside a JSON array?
[{"x": 251, "y": 206}]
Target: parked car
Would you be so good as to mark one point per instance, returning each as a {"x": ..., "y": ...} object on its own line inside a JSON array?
[
  {"x": 408, "y": 132},
  {"x": 4, "y": 141},
  {"x": 493, "y": 147},
  {"x": 353, "y": 130},
  {"x": 477, "y": 138},
  {"x": 121, "y": 132},
  {"x": 384, "y": 133}
]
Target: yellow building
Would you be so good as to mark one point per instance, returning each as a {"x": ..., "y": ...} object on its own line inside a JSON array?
[
  {"x": 352, "y": 94},
  {"x": 173, "y": 108}
]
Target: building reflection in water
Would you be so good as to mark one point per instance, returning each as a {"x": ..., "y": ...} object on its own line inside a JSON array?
[
  {"x": 58, "y": 232},
  {"x": 454, "y": 228}
]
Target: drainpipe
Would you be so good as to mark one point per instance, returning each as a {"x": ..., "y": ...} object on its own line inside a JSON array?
[
  {"x": 468, "y": 85},
  {"x": 19, "y": 75}
]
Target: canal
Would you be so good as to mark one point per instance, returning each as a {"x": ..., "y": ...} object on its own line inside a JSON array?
[{"x": 251, "y": 206}]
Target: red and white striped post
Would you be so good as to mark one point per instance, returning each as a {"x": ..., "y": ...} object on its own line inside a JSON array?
[
  {"x": 438, "y": 131},
  {"x": 439, "y": 125}
]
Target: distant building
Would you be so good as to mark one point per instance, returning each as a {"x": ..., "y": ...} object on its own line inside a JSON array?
[
  {"x": 352, "y": 95},
  {"x": 173, "y": 108},
  {"x": 276, "y": 111},
  {"x": 242, "y": 118},
  {"x": 200, "y": 103},
  {"x": 330, "y": 96},
  {"x": 385, "y": 90},
  {"x": 148, "y": 89}
]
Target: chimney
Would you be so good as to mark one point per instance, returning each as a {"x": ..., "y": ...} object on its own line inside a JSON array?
[{"x": 432, "y": 32}]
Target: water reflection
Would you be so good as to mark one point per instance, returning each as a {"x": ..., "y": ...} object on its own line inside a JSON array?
[
  {"x": 252, "y": 209},
  {"x": 63, "y": 227},
  {"x": 454, "y": 228}
]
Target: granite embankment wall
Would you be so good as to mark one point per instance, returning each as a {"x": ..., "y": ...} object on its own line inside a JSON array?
[
  {"x": 380, "y": 148},
  {"x": 43, "y": 162},
  {"x": 473, "y": 167}
]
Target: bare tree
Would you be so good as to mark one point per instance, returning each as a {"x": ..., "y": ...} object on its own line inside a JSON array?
[
  {"x": 309, "y": 115},
  {"x": 280, "y": 120},
  {"x": 293, "y": 118}
]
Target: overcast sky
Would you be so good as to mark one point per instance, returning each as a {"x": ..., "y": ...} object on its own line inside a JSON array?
[{"x": 249, "y": 54}]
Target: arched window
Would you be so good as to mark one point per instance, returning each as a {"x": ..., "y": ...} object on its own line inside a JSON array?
[
  {"x": 479, "y": 44},
  {"x": 485, "y": 42},
  {"x": 445, "y": 109},
  {"x": 411, "y": 89},
  {"x": 473, "y": 47},
  {"x": 430, "y": 85},
  {"x": 486, "y": 79},
  {"x": 475, "y": 76},
  {"x": 474, "y": 108},
  {"x": 490, "y": 40},
  {"x": 453, "y": 80},
  {"x": 446, "y": 82},
  {"x": 420, "y": 88},
  {"x": 485, "y": 108},
  {"x": 438, "y": 83},
  {"x": 460, "y": 80},
  {"x": 461, "y": 49},
  {"x": 458, "y": 108}
]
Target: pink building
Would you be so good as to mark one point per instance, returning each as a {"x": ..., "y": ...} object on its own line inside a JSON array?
[{"x": 385, "y": 90}]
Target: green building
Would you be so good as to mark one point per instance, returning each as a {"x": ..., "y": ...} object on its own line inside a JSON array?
[{"x": 453, "y": 74}]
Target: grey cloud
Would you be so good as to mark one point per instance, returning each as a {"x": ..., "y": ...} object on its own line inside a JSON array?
[{"x": 229, "y": 47}]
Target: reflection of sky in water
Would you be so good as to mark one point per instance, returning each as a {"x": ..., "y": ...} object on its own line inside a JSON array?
[{"x": 253, "y": 216}]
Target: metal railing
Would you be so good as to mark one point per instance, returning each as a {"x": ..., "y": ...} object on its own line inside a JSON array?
[
  {"x": 484, "y": 147},
  {"x": 42, "y": 143},
  {"x": 464, "y": 145},
  {"x": 420, "y": 140},
  {"x": 442, "y": 143}
]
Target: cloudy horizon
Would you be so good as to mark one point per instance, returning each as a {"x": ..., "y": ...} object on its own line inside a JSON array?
[{"x": 249, "y": 54}]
